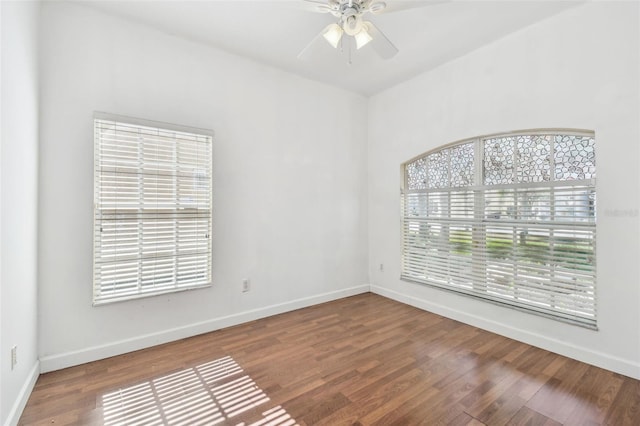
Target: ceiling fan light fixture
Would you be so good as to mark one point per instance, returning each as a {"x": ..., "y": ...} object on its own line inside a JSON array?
[
  {"x": 362, "y": 38},
  {"x": 333, "y": 34},
  {"x": 350, "y": 21}
]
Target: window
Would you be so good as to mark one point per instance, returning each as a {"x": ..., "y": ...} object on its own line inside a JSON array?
[
  {"x": 152, "y": 208},
  {"x": 510, "y": 219}
]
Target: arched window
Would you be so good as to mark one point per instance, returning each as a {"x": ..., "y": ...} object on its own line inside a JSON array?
[{"x": 507, "y": 218}]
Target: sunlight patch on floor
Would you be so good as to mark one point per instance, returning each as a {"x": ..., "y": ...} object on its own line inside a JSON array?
[{"x": 207, "y": 394}]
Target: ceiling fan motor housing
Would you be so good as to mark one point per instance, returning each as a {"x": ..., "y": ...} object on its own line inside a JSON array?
[{"x": 352, "y": 23}]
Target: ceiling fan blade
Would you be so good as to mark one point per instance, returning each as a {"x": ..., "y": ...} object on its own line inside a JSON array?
[
  {"x": 306, "y": 51},
  {"x": 380, "y": 43},
  {"x": 390, "y": 6},
  {"x": 317, "y": 6}
]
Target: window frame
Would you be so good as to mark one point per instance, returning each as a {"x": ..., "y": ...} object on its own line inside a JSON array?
[
  {"x": 480, "y": 223},
  {"x": 189, "y": 216}
]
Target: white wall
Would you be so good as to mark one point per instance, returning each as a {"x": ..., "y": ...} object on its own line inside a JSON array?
[
  {"x": 289, "y": 182},
  {"x": 19, "y": 204},
  {"x": 579, "y": 69}
]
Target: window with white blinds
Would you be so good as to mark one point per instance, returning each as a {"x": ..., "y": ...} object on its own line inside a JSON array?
[
  {"x": 510, "y": 219},
  {"x": 152, "y": 208}
]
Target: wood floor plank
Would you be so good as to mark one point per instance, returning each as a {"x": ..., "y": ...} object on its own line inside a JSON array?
[
  {"x": 528, "y": 417},
  {"x": 558, "y": 398},
  {"x": 362, "y": 360},
  {"x": 625, "y": 409}
]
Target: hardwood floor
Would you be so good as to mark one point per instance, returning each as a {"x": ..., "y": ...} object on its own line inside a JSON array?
[{"x": 363, "y": 360}]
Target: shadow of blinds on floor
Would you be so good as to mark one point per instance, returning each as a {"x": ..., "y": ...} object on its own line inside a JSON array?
[{"x": 211, "y": 393}]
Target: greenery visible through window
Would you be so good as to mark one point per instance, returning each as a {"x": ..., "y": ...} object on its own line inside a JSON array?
[
  {"x": 152, "y": 208},
  {"x": 508, "y": 218}
]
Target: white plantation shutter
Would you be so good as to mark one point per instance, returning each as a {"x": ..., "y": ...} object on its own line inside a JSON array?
[
  {"x": 152, "y": 208},
  {"x": 509, "y": 219}
]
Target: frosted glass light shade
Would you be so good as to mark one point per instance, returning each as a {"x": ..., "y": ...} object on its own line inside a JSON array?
[
  {"x": 333, "y": 34},
  {"x": 362, "y": 38}
]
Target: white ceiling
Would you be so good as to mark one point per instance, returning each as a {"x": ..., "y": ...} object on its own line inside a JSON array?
[{"x": 274, "y": 32}]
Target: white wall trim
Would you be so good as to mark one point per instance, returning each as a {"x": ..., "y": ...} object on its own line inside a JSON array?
[
  {"x": 69, "y": 359},
  {"x": 23, "y": 396},
  {"x": 599, "y": 359}
]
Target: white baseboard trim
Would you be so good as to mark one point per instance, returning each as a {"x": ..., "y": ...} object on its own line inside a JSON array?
[
  {"x": 599, "y": 359},
  {"x": 23, "y": 396},
  {"x": 69, "y": 359}
]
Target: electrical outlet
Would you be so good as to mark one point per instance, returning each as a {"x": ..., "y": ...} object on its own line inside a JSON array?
[
  {"x": 246, "y": 285},
  {"x": 382, "y": 267},
  {"x": 14, "y": 356}
]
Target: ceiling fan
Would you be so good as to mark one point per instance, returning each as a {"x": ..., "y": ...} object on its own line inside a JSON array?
[{"x": 350, "y": 22}]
